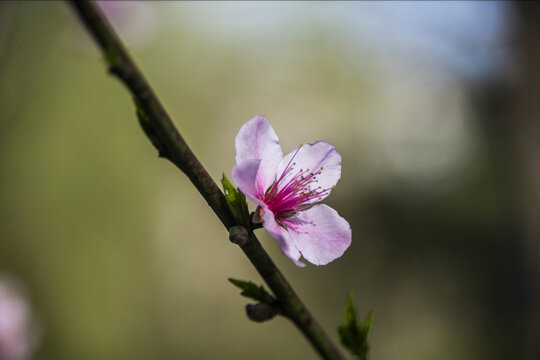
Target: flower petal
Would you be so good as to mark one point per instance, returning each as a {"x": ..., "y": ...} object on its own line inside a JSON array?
[
  {"x": 313, "y": 157},
  {"x": 257, "y": 140},
  {"x": 244, "y": 177},
  {"x": 320, "y": 234},
  {"x": 282, "y": 237}
]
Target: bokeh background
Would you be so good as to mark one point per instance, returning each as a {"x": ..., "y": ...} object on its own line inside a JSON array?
[{"x": 433, "y": 106}]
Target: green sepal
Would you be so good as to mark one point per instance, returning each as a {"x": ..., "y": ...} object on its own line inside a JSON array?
[
  {"x": 252, "y": 291},
  {"x": 355, "y": 335},
  {"x": 236, "y": 201}
]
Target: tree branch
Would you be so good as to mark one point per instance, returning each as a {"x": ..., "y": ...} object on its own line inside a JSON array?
[{"x": 160, "y": 129}]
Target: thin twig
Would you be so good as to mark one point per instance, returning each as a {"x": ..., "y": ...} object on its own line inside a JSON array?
[{"x": 172, "y": 146}]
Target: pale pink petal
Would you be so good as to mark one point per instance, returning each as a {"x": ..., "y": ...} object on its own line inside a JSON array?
[
  {"x": 281, "y": 236},
  {"x": 315, "y": 157},
  {"x": 320, "y": 234},
  {"x": 257, "y": 140},
  {"x": 244, "y": 177}
]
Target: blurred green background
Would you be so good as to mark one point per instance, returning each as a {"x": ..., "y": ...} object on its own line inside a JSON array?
[{"x": 121, "y": 256}]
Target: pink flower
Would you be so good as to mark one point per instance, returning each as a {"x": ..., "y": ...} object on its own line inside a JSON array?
[
  {"x": 286, "y": 190},
  {"x": 17, "y": 333}
]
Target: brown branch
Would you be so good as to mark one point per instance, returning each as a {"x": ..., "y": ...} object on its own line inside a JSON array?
[{"x": 161, "y": 131}]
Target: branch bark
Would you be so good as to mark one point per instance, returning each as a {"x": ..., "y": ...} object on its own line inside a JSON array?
[{"x": 161, "y": 131}]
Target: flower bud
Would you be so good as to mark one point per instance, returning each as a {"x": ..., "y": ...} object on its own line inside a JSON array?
[
  {"x": 238, "y": 235},
  {"x": 260, "y": 312}
]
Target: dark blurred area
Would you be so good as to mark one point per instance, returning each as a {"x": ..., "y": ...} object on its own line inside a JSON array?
[{"x": 107, "y": 252}]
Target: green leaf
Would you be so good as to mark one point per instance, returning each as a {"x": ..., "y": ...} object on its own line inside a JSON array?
[
  {"x": 236, "y": 201},
  {"x": 355, "y": 335},
  {"x": 253, "y": 291}
]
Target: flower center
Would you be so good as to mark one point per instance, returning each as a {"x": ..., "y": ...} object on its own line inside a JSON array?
[{"x": 294, "y": 190}]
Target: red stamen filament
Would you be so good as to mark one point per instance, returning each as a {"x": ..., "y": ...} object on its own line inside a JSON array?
[{"x": 297, "y": 194}]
